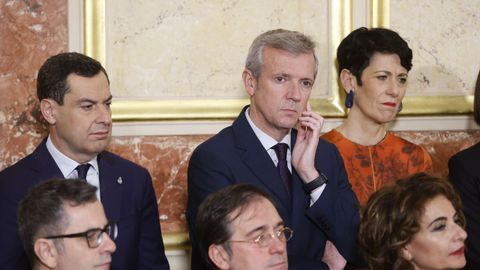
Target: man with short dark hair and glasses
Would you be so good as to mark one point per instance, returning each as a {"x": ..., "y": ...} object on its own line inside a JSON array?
[
  {"x": 238, "y": 227},
  {"x": 62, "y": 225}
]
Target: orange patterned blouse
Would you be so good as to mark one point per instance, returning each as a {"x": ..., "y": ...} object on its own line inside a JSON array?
[{"x": 372, "y": 167}]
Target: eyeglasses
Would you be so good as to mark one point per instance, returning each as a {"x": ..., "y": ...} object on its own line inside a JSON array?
[
  {"x": 94, "y": 237},
  {"x": 266, "y": 239}
]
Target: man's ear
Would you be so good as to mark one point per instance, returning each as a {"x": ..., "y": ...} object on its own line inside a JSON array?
[
  {"x": 249, "y": 82},
  {"x": 405, "y": 253},
  {"x": 348, "y": 80},
  {"x": 48, "y": 108},
  {"x": 219, "y": 256},
  {"x": 46, "y": 252}
]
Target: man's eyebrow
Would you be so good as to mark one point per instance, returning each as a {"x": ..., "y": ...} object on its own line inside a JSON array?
[
  {"x": 283, "y": 74},
  {"x": 264, "y": 228},
  {"x": 83, "y": 100},
  {"x": 280, "y": 223},
  {"x": 89, "y": 100},
  {"x": 258, "y": 229},
  {"x": 108, "y": 99}
]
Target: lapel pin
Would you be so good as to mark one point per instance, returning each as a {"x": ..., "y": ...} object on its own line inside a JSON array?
[{"x": 119, "y": 180}]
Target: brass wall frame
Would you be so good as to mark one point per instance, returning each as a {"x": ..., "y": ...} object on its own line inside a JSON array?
[{"x": 206, "y": 109}]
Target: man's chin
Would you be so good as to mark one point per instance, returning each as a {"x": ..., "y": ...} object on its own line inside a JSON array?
[
  {"x": 278, "y": 266},
  {"x": 98, "y": 147},
  {"x": 289, "y": 123},
  {"x": 278, "y": 262}
]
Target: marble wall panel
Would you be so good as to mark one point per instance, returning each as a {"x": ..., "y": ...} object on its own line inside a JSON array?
[
  {"x": 197, "y": 49},
  {"x": 444, "y": 37},
  {"x": 166, "y": 157},
  {"x": 30, "y": 32},
  {"x": 442, "y": 145}
]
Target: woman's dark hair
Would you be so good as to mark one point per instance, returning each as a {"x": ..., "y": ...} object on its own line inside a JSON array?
[{"x": 356, "y": 50}]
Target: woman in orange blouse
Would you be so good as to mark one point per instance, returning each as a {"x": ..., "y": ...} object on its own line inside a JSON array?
[{"x": 373, "y": 66}]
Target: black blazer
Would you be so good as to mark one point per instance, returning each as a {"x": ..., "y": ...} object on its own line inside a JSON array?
[
  {"x": 235, "y": 155},
  {"x": 464, "y": 172},
  {"x": 131, "y": 202}
]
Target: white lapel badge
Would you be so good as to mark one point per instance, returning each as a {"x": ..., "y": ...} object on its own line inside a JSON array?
[{"x": 119, "y": 180}]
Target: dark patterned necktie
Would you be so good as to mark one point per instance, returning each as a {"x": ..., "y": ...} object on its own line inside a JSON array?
[
  {"x": 82, "y": 170},
  {"x": 282, "y": 166}
]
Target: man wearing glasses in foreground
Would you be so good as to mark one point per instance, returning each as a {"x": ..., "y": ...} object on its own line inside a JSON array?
[
  {"x": 238, "y": 227},
  {"x": 63, "y": 226}
]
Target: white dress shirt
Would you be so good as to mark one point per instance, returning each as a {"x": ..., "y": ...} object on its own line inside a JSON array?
[
  {"x": 67, "y": 166},
  {"x": 268, "y": 142}
]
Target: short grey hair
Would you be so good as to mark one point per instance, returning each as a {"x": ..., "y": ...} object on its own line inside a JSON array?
[{"x": 291, "y": 41}]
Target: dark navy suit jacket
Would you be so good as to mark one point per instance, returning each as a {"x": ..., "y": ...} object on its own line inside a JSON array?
[
  {"x": 465, "y": 177},
  {"x": 131, "y": 203},
  {"x": 235, "y": 155}
]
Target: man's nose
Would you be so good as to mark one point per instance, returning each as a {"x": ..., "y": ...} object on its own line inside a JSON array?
[
  {"x": 277, "y": 245},
  {"x": 294, "y": 92},
  {"x": 108, "y": 244},
  {"x": 104, "y": 114}
]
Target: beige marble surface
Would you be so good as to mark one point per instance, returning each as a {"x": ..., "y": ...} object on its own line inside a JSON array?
[
  {"x": 445, "y": 39},
  {"x": 197, "y": 49}
]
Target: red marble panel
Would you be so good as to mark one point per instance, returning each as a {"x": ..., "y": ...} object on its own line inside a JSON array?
[
  {"x": 442, "y": 145},
  {"x": 30, "y": 32},
  {"x": 166, "y": 157}
]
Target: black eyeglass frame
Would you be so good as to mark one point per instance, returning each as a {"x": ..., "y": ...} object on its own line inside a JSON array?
[
  {"x": 110, "y": 229},
  {"x": 269, "y": 237}
]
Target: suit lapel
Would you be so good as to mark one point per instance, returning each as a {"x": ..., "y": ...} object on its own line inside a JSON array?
[
  {"x": 44, "y": 164},
  {"x": 110, "y": 189},
  {"x": 256, "y": 158},
  {"x": 111, "y": 183}
]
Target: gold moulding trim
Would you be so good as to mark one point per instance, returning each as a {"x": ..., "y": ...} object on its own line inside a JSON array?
[
  {"x": 218, "y": 109},
  {"x": 228, "y": 109},
  {"x": 176, "y": 241},
  {"x": 437, "y": 105},
  {"x": 380, "y": 13}
]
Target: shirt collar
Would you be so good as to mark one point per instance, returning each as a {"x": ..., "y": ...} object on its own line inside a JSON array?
[
  {"x": 64, "y": 163},
  {"x": 267, "y": 141}
]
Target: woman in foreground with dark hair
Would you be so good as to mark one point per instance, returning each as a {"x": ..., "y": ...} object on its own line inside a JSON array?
[{"x": 417, "y": 223}]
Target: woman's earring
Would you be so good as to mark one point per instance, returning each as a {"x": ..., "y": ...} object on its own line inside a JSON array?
[
  {"x": 349, "y": 99},
  {"x": 400, "y": 107}
]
